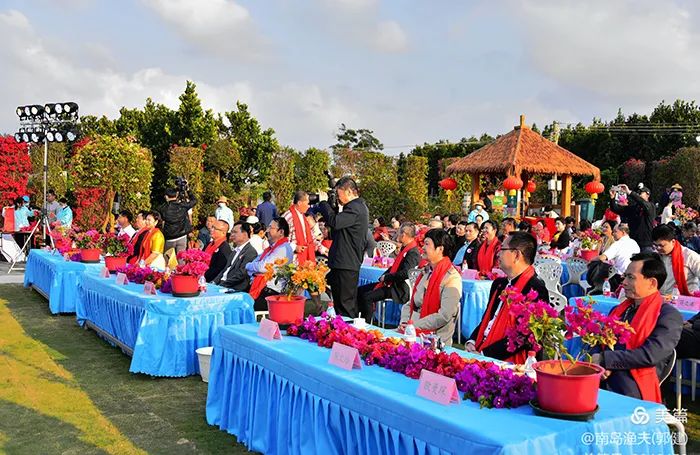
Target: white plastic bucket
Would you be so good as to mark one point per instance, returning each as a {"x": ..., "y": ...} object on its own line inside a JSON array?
[{"x": 204, "y": 356}]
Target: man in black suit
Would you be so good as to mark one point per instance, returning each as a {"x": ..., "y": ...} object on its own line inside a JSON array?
[
  {"x": 515, "y": 258},
  {"x": 392, "y": 284},
  {"x": 349, "y": 235},
  {"x": 219, "y": 249},
  {"x": 234, "y": 276}
]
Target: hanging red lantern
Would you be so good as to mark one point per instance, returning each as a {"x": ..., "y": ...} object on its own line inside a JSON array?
[
  {"x": 448, "y": 184},
  {"x": 594, "y": 188},
  {"x": 512, "y": 184},
  {"x": 531, "y": 186}
]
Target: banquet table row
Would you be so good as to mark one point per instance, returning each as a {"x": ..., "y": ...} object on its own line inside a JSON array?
[{"x": 283, "y": 396}]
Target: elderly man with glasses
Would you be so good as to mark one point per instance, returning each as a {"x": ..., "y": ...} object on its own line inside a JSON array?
[
  {"x": 278, "y": 231},
  {"x": 219, "y": 249}
]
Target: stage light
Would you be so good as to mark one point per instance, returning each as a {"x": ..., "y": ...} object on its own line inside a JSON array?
[
  {"x": 27, "y": 111},
  {"x": 58, "y": 108},
  {"x": 70, "y": 107},
  {"x": 49, "y": 136},
  {"x": 71, "y": 135},
  {"x": 37, "y": 137},
  {"x": 18, "y": 137},
  {"x": 20, "y": 112},
  {"x": 25, "y": 137},
  {"x": 58, "y": 136}
]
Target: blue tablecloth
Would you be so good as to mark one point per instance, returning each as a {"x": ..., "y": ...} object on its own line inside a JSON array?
[
  {"x": 283, "y": 397},
  {"x": 163, "y": 331},
  {"x": 570, "y": 290},
  {"x": 475, "y": 299},
  {"x": 606, "y": 304},
  {"x": 56, "y": 278}
]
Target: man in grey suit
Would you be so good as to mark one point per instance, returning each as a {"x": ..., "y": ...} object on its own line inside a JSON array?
[{"x": 234, "y": 275}]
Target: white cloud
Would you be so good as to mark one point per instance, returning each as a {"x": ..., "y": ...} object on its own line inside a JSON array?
[{"x": 390, "y": 37}]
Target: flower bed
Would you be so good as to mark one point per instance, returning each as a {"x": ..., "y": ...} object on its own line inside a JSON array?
[{"x": 483, "y": 382}]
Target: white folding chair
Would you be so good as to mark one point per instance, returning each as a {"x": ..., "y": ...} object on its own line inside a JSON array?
[
  {"x": 577, "y": 267},
  {"x": 550, "y": 272},
  {"x": 385, "y": 248},
  {"x": 557, "y": 300}
]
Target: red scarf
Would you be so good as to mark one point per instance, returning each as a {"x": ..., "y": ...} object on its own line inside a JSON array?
[
  {"x": 259, "y": 280},
  {"x": 678, "y": 267},
  {"x": 134, "y": 258},
  {"x": 213, "y": 246},
  {"x": 431, "y": 298},
  {"x": 486, "y": 257},
  {"x": 503, "y": 320},
  {"x": 397, "y": 263},
  {"x": 643, "y": 324},
  {"x": 309, "y": 253}
]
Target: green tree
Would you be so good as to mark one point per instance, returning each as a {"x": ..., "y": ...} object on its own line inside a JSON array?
[
  {"x": 345, "y": 162},
  {"x": 91, "y": 125},
  {"x": 309, "y": 170},
  {"x": 281, "y": 178},
  {"x": 413, "y": 187},
  {"x": 682, "y": 167},
  {"x": 362, "y": 139},
  {"x": 378, "y": 183},
  {"x": 188, "y": 162},
  {"x": 57, "y": 174},
  {"x": 193, "y": 126}
]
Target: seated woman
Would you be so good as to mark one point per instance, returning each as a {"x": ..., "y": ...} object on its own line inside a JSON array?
[
  {"x": 487, "y": 256},
  {"x": 562, "y": 238},
  {"x": 138, "y": 237},
  {"x": 153, "y": 244},
  {"x": 438, "y": 290},
  {"x": 607, "y": 229},
  {"x": 380, "y": 229},
  {"x": 541, "y": 233}
]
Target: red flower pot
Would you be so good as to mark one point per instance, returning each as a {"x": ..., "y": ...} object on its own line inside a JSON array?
[
  {"x": 90, "y": 255},
  {"x": 284, "y": 309},
  {"x": 185, "y": 285},
  {"x": 573, "y": 393},
  {"x": 114, "y": 262},
  {"x": 589, "y": 255}
]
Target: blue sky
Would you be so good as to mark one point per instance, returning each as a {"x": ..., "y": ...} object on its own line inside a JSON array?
[{"x": 411, "y": 71}]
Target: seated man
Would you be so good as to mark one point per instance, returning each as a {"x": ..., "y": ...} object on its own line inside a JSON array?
[
  {"x": 280, "y": 248},
  {"x": 234, "y": 276},
  {"x": 619, "y": 253},
  {"x": 438, "y": 290},
  {"x": 219, "y": 249},
  {"x": 690, "y": 236},
  {"x": 124, "y": 224},
  {"x": 466, "y": 255},
  {"x": 392, "y": 284},
  {"x": 682, "y": 264},
  {"x": 634, "y": 369},
  {"x": 515, "y": 258}
]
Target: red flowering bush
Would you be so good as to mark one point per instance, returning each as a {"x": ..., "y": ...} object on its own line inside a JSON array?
[
  {"x": 140, "y": 275},
  {"x": 90, "y": 207},
  {"x": 114, "y": 245},
  {"x": 192, "y": 262},
  {"x": 89, "y": 240},
  {"x": 15, "y": 167}
]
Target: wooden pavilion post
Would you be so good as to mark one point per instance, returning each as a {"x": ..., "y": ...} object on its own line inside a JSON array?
[
  {"x": 566, "y": 196},
  {"x": 476, "y": 189}
]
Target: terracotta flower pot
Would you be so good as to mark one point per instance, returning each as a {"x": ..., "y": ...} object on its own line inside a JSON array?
[
  {"x": 91, "y": 255},
  {"x": 573, "y": 393},
  {"x": 185, "y": 285},
  {"x": 284, "y": 309},
  {"x": 589, "y": 255},
  {"x": 114, "y": 262}
]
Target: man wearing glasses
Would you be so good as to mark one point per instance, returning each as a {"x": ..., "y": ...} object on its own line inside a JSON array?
[
  {"x": 515, "y": 258},
  {"x": 219, "y": 249},
  {"x": 279, "y": 248}
]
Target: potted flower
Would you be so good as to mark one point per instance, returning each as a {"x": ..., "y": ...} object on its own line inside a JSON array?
[
  {"x": 590, "y": 242},
  {"x": 288, "y": 307},
  {"x": 90, "y": 243},
  {"x": 192, "y": 265},
  {"x": 116, "y": 249},
  {"x": 565, "y": 385}
]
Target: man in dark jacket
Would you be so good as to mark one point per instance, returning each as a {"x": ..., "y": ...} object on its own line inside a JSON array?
[
  {"x": 392, "y": 284},
  {"x": 234, "y": 275},
  {"x": 349, "y": 235},
  {"x": 639, "y": 214},
  {"x": 176, "y": 219},
  {"x": 219, "y": 249}
]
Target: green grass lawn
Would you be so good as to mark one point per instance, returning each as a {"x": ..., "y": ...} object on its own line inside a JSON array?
[{"x": 53, "y": 373}]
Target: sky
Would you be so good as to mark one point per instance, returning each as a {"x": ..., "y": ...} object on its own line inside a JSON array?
[{"x": 411, "y": 71}]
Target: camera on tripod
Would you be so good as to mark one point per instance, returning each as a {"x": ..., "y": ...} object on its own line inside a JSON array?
[
  {"x": 332, "y": 193},
  {"x": 182, "y": 186}
]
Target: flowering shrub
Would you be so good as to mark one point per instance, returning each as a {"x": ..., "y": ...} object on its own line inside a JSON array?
[
  {"x": 590, "y": 239},
  {"x": 114, "y": 245},
  {"x": 298, "y": 278},
  {"x": 539, "y": 325},
  {"x": 685, "y": 214},
  {"x": 62, "y": 239},
  {"x": 193, "y": 262},
  {"x": 140, "y": 275},
  {"x": 482, "y": 382},
  {"x": 88, "y": 240},
  {"x": 15, "y": 168}
]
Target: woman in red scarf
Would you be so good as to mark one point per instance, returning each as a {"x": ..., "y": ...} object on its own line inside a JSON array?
[
  {"x": 437, "y": 291},
  {"x": 486, "y": 258},
  {"x": 380, "y": 229}
]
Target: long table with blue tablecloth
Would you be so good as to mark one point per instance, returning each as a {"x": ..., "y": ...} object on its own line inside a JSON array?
[
  {"x": 282, "y": 396},
  {"x": 162, "y": 331},
  {"x": 475, "y": 299},
  {"x": 56, "y": 279}
]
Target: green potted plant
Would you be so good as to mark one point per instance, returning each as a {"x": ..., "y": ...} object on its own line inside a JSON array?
[
  {"x": 90, "y": 244},
  {"x": 288, "y": 306},
  {"x": 116, "y": 249},
  {"x": 590, "y": 242}
]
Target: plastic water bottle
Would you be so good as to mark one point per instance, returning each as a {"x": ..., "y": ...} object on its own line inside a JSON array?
[
  {"x": 202, "y": 284},
  {"x": 606, "y": 288},
  {"x": 142, "y": 263},
  {"x": 675, "y": 294},
  {"x": 410, "y": 331},
  {"x": 330, "y": 311},
  {"x": 529, "y": 364}
]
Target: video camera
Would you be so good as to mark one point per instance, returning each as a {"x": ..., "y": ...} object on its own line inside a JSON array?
[
  {"x": 183, "y": 187},
  {"x": 332, "y": 193}
]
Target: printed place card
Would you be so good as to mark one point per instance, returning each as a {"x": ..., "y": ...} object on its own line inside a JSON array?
[
  {"x": 105, "y": 272},
  {"x": 345, "y": 357},
  {"x": 121, "y": 278},
  {"x": 438, "y": 388},
  {"x": 149, "y": 288},
  {"x": 269, "y": 330},
  {"x": 470, "y": 274},
  {"x": 688, "y": 303}
]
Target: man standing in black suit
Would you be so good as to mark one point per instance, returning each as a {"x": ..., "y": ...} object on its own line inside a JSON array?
[
  {"x": 219, "y": 249},
  {"x": 392, "y": 284},
  {"x": 234, "y": 276},
  {"x": 349, "y": 235}
]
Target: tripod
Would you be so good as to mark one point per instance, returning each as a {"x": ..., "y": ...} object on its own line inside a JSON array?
[{"x": 46, "y": 226}]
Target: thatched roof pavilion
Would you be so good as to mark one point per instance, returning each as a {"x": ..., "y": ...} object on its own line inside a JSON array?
[{"x": 523, "y": 153}]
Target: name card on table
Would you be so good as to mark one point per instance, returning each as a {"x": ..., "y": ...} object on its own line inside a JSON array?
[
  {"x": 686, "y": 302},
  {"x": 105, "y": 272},
  {"x": 345, "y": 357},
  {"x": 470, "y": 274},
  {"x": 437, "y": 388},
  {"x": 121, "y": 278},
  {"x": 269, "y": 330},
  {"x": 149, "y": 288}
]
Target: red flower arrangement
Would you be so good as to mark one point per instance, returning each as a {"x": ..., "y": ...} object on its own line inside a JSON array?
[
  {"x": 89, "y": 239},
  {"x": 193, "y": 262},
  {"x": 114, "y": 245},
  {"x": 140, "y": 275},
  {"x": 15, "y": 168}
]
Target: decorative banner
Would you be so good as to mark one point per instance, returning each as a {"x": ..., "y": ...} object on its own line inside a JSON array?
[
  {"x": 121, "y": 278},
  {"x": 149, "y": 288},
  {"x": 345, "y": 357},
  {"x": 105, "y": 272},
  {"x": 438, "y": 388},
  {"x": 269, "y": 330}
]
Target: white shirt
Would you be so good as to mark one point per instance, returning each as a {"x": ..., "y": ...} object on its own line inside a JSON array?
[
  {"x": 691, "y": 262},
  {"x": 666, "y": 214},
  {"x": 128, "y": 230},
  {"x": 620, "y": 252},
  {"x": 236, "y": 252},
  {"x": 259, "y": 243},
  {"x": 225, "y": 214}
]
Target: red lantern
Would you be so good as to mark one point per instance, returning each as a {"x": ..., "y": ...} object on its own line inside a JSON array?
[
  {"x": 448, "y": 184},
  {"x": 531, "y": 186},
  {"x": 593, "y": 188},
  {"x": 512, "y": 184}
]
